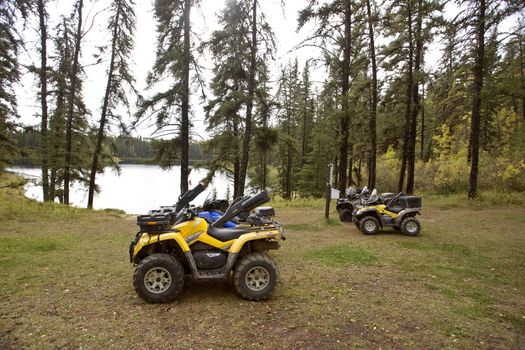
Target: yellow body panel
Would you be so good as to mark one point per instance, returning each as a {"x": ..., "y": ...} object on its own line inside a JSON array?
[
  {"x": 147, "y": 239},
  {"x": 381, "y": 208},
  {"x": 239, "y": 242},
  {"x": 196, "y": 230}
]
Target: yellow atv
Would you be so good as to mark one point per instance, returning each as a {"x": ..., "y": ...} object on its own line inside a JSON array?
[
  {"x": 398, "y": 212},
  {"x": 175, "y": 243}
]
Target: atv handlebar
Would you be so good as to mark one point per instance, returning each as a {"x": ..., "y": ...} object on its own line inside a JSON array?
[
  {"x": 256, "y": 200},
  {"x": 242, "y": 204}
]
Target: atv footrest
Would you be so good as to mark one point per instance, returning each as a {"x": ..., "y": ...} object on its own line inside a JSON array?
[{"x": 210, "y": 274}]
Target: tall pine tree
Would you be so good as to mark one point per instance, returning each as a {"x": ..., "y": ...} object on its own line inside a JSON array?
[
  {"x": 122, "y": 26},
  {"x": 171, "y": 107}
]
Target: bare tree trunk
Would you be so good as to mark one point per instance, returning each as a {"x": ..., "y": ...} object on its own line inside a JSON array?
[
  {"x": 479, "y": 58},
  {"x": 185, "y": 124},
  {"x": 264, "y": 169},
  {"x": 359, "y": 177},
  {"x": 72, "y": 95},
  {"x": 410, "y": 78},
  {"x": 236, "y": 161},
  {"x": 262, "y": 175},
  {"x": 422, "y": 150},
  {"x": 264, "y": 154},
  {"x": 305, "y": 115},
  {"x": 345, "y": 115},
  {"x": 249, "y": 105},
  {"x": 415, "y": 99},
  {"x": 335, "y": 180},
  {"x": 43, "y": 99},
  {"x": 103, "y": 116},
  {"x": 289, "y": 159},
  {"x": 522, "y": 73},
  {"x": 373, "y": 107}
]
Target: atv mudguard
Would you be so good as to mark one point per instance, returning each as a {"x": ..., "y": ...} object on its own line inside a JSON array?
[
  {"x": 366, "y": 212},
  {"x": 344, "y": 205},
  {"x": 405, "y": 213}
]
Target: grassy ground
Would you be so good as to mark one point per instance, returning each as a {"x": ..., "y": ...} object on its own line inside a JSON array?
[{"x": 66, "y": 283}]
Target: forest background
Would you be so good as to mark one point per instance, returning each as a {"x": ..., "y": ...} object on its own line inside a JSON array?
[{"x": 412, "y": 95}]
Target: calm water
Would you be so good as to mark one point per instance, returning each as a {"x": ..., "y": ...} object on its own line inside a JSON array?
[{"x": 136, "y": 190}]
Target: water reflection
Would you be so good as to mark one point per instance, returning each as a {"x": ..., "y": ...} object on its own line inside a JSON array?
[{"x": 137, "y": 189}]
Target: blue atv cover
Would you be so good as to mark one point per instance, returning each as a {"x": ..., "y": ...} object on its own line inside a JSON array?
[{"x": 212, "y": 216}]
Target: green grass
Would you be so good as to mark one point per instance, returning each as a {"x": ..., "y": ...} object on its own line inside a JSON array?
[
  {"x": 302, "y": 228},
  {"x": 485, "y": 199},
  {"x": 66, "y": 283},
  {"x": 449, "y": 248},
  {"x": 308, "y": 202},
  {"x": 30, "y": 245},
  {"x": 342, "y": 255}
]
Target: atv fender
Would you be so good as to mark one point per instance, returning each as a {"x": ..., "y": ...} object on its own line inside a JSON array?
[
  {"x": 405, "y": 213},
  {"x": 145, "y": 244},
  {"x": 344, "y": 205},
  {"x": 361, "y": 213}
]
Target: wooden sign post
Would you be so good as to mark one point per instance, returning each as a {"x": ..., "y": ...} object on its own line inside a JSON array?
[{"x": 328, "y": 191}]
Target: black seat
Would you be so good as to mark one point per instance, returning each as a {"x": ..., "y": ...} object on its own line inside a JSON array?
[
  {"x": 394, "y": 209},
  {"x": 227, "y": 234}
]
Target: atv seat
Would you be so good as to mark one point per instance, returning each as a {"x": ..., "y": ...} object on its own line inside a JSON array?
[
  {"x": 227, "y": 234},
  {"x": 394, "y": 208}
]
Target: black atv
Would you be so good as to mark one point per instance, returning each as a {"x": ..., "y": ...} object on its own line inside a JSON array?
[
  {"x": 345, "y": 205},
  {"x": 354, "y": 197}
]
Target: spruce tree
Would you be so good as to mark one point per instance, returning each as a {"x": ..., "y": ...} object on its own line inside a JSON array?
[
  {"x": 74, "y": 88},
  {"x": 42, "y": 71},
  {"x": 334, "y": 28},
  {"x": 174, "y": 59},
  {"x": 238, "y": 85},
  {"x": 61, "y": 82},
  {"x": 122, "y": 26},
  {"x": 10, "y": 42}
]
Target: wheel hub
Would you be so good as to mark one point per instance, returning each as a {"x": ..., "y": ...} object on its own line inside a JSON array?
[
  {"x": 411, "y": 226},
  {"x": 157, "y": 280},
  {"x": 257, "y": 278},
  {"x": 370, "y": 226}
]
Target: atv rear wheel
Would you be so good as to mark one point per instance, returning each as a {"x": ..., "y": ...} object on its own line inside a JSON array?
[
  {"x": 369, "y": 225},
  {"x": 255, "y": 276},
  {"x": 410, "y": 226},
  {"x": 345, "y": 215},
  {"x": 158, "y": 278}
]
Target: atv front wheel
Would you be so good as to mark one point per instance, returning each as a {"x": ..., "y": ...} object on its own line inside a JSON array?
[
  {"x": 369, "y": 225},
  {"x": 345, "y": 215},
  {"x": 255, "y": 276},
  {"x": 410, "y": 226},
  {"x": 158, "y": 278}
]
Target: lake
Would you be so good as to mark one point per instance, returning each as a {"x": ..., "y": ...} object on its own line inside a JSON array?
[{"x": 136, "y": 190}]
